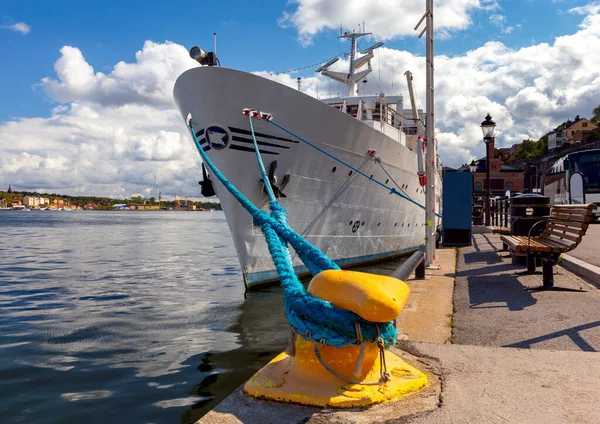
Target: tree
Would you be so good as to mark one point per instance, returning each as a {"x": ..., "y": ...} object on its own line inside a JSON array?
[
  {"x": 152, "y": 200},
  {"x": 596, "y": 115},
  {"x": 526, "y": 150}
]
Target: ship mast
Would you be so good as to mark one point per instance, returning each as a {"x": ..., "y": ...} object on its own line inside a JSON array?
[{"x": 354, "y": 75}]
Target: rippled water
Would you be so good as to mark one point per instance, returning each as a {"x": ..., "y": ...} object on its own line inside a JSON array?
[{"x": 125, "y": 317}]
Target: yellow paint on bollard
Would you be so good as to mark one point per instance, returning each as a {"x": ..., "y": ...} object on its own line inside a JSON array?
[
  {"x": 303, "y": 379},
  {"x": 376, "y": 298}
]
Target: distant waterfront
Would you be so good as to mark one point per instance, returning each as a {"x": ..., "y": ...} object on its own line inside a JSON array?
[
  {"x": 125, "y": 317},
  {"x": 41, "y": 201}
]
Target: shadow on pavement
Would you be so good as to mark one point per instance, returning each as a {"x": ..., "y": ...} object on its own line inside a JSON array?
[
  {"x": 572, "y": 333},
  {"x": 503, "y": 291}
]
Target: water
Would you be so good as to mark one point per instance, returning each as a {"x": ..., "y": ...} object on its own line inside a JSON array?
[{"x": 126, "y": 317}]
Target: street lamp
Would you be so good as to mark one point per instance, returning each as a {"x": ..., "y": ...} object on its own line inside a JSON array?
[
  {"x": 487, "y": 127},
  {"x": 473, "y": 167}
]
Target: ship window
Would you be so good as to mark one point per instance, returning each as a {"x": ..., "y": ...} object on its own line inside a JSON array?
[
  {"x": 396, "y": 224},
  {"x": 371, "y": 175},
  {"x": 350, "y": 173},
  {"x": 378, "y": 224},
  {"x": 363, "y": 223},
  {"x": 334, "y": 168},
  {"x": 350, "y": 223},
  {"x": 386, "y": 181}
]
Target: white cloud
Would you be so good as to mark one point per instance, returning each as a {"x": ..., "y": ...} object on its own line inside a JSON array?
[
  {"x": 500, "y": 22},
  {"x": 21, "y": 27},
  {"x": 386, "y": 19},
  {"x": 592, "y": 8},
  {"x": 147, "y": 81},
  {"x": 111, "y": 132}
]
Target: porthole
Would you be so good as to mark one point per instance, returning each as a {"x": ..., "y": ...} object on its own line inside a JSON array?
[
  {"x": 334, "y": 169},
  {"x": 403, "y": 224},
  {"x": 350, "y": 173},
  {"x": 371, "y": 175},
  {"x": 378, "y": 224},
  {"x": 396, "y": 224},
  {"x": 351, "y": 222},
  {"x": 386, "y": 181},
  {"x": 363, "y": 223}
]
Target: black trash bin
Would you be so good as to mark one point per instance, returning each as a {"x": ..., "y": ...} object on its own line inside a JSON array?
[{"x": 525, "y": 211}]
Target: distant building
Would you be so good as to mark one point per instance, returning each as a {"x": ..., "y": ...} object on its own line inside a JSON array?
[
  {"x": 31, "y": 201},
  {"x": 144, "y": 207},
  {"x": 570, "y": 132},
  {"x": 44, "y": 201},
  {"x": 502, "y": 177}
]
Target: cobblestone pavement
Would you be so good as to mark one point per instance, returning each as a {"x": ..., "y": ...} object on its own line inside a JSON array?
[{"x": 491, "y": 307}]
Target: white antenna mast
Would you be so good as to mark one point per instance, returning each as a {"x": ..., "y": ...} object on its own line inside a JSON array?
[
  {"x": 353, "y": 76},
  {"x": 430, "y": 232},
  {"x": 215, "y": 41}
]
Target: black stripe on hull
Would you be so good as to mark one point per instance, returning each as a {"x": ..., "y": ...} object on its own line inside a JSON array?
[
  {"x": 260, "y": 143},
  {"x": 200, "y": 133},
  {"x": 251, "y": 149},
  {"x": 272, "y": 137}
]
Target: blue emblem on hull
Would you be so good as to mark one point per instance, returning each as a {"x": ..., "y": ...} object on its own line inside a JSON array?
[{"x": 217, "y": 137}]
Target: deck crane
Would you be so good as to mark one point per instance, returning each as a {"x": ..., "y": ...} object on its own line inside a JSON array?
[{"x": 411, "y": 92}]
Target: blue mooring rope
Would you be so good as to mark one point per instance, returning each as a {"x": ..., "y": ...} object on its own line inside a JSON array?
[
  {"x": 391, "y": 189},
  {"x": 313, "y": 318}
]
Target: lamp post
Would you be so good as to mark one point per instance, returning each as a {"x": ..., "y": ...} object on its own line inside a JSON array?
[
  {"x": 487, "y": 127},
  {"x": 473, "y": 167}
]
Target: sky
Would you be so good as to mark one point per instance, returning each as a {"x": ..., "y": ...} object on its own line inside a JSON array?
[{"x": 86, "y": 87}]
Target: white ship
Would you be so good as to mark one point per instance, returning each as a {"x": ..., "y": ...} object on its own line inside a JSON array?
[{"x": 349, "y": 217}]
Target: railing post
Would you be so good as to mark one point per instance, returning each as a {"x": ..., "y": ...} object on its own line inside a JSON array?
[{"x": 506, "y": 213}]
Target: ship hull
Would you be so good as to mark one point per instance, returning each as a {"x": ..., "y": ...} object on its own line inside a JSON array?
[{"x": 350, "y": 218}]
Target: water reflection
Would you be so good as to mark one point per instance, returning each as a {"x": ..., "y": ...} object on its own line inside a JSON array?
[
  {"x": 262, "y": 334},
  {"x": 125, "y": 317}
]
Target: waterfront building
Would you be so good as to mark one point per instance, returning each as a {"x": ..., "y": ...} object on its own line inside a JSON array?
[
  {"x": 502, "y": 177},
  {"x": 570, "y": 132},
  {"x": 31, "y": 201}
]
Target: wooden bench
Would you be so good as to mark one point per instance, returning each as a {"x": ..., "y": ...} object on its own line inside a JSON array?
[
  {"x": 564, "y": 230},
  {"x": 500, "y": 230}
]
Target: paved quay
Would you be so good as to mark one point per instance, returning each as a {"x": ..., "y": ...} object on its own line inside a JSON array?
[
  {"x": 589, "y": 248},
  {"x": 518, "y": 357},
  {"x": 492, "y": 308}
]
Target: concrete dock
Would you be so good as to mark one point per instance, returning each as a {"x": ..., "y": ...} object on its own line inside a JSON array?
[{"x": 494, "y": 352}]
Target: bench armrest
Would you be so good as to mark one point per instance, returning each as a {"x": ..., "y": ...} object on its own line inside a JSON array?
[{"x": 531, "y": 229}]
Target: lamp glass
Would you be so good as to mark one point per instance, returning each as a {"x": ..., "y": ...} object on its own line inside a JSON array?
[{"x": 488, "y": 130}]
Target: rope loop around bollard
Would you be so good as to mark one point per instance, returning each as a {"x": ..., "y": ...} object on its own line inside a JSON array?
[{"x": 385, "y": 376}]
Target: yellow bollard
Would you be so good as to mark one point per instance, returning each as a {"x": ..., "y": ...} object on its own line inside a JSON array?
[{"x": 343, "y": 377}]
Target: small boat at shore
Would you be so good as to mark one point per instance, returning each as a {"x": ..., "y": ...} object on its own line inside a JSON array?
[{"x": 349, "y": 217}]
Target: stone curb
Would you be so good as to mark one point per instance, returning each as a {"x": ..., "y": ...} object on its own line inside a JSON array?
[{"x": 588, "y": 272}]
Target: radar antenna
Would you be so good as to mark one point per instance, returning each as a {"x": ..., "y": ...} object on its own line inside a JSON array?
[{"x": 354, "y": 75}]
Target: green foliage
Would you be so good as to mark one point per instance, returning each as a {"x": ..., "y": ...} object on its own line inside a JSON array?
[
  {"x": 596, "y": 115},
  {"x": 594, "y": 135},
  {"x": 527, "y": 149}
]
